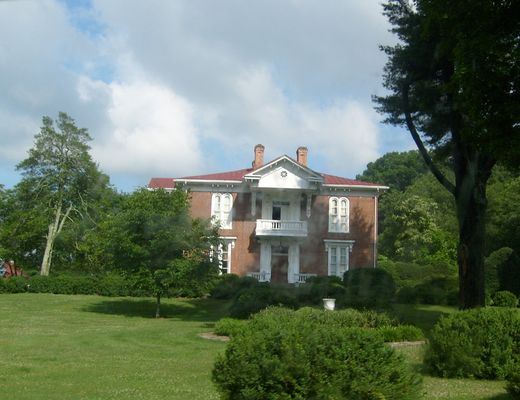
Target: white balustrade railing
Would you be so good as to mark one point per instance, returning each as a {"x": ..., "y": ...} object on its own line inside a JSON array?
[
  {"x": 274, "y": 227},
  {"x": 302, "y": 278},
  {"x": 261, "y": 276}
]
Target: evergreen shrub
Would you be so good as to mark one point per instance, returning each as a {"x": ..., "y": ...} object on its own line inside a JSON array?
[
  {"x": 316, "y": 288},
  {"x": 400, "y": 333},
  {"x": 504, "y": 298},
  {"x": 368, "y": 287},
  {"x": 230, "y": 326},
  {"x": 281, "y": 355},
  {"x": 228, "y": 286},
  {"x": 252, "y": 300},
  {"x": 481, "y": 343}
]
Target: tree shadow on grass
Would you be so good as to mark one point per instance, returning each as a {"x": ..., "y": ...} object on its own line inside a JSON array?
[{"x": 199, "y": 310}]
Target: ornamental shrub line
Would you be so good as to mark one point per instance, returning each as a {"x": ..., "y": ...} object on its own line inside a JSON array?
[
  {"x": 280, "y": 355},
  {"x": 481, "y": 343},
  {"x": 349, "y": 318},
  {"x": 103, "y": 285}
]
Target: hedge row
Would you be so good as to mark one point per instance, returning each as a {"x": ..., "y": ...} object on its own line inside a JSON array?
[
  {"x": 360, "y": 288},
  {"x": 281, "y": 354},
  {"x": 103, "y": 285},
  {"x": 387, "y": 328}
]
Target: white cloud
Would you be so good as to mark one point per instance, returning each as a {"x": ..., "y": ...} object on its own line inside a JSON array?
[
  {"x": 181, "y": 87},
  {"x": 150, "y": 130}
]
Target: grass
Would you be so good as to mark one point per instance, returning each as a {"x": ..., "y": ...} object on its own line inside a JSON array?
[{"x": 89, "y": 347}]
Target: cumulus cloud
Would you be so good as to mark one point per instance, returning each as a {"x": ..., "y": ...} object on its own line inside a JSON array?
[
  {"x": 170, "y": 88},
  {"x": 149, "y": 129}
]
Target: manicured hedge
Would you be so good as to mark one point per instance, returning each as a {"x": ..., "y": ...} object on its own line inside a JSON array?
[
  {"x": 386, "y": 327},
  {"x": 368, "y": 287},
  {"x": 481, "y": 343},
  {"x": 280, "y": 355}
]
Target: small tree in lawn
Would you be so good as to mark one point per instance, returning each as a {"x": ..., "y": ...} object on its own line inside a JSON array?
[
  {"x": 154, "y": 236},
  {"x": 59, "y": 177}
]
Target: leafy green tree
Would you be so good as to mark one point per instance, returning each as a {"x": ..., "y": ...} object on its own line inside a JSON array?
[
  {"x": 397, "y": 170},
  {"x": 412, "y": 233},
  {"x": 59, "y": 178},
  {"x": 454, "y": 82},
  {"x": 153, "y": 236}
]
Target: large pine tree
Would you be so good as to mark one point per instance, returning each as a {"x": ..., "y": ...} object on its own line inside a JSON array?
[{"x": 454, "y": 82}]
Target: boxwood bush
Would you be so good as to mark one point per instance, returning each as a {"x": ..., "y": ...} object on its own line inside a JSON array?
[
  {"x": 480, "y": 343},
  {"x": 281, "y": 356},
  {"x": 368, "y": 287},
  {"x": 230, "y": 326},
  {"x": 503, "y": 298}
]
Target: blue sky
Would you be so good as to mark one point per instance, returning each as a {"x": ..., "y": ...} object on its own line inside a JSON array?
[{"x": 173, "y": 88}]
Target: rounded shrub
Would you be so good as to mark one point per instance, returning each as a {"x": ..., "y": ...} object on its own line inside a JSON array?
[
  {"x": 281, "y": 356},
  {"x": 368, "y": 287},
  {"x": 228, "y": 286},
  {"x": 504, "y": 298},
  {"x": 481, "y": 343},
  {"x": 315, "y": 289},
  {"x": 252, "y": 300},
  {"x": 230, "y": 326},
  {"x": 400, "y": 333}
]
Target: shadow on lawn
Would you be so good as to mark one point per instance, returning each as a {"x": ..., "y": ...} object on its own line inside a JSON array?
[{"x": 200, "y": 310}]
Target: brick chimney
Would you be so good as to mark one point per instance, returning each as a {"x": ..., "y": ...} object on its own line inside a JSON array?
[
  {"x": 259, "y": 156},
  {"x": 301, "y": 155}
]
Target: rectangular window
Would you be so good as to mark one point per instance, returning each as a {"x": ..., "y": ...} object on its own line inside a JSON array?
[
  {"x": 338, "y": 256},
  {"x": 339, "y": 214},
  {"x": 221, "y": 209}
]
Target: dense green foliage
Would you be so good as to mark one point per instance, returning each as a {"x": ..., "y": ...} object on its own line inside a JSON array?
[
  {"x": 103, "y": 284},
  {"x": 503, "y": 298},
  {"x": 386, "y": 327},
  {"x": 44, "y": 217},
  {"x": 480, "y": 343},
  {"x": 453, "y": 82},
  {"x": 281, "y": 356},
  {"x": 368, "y": 287},
  {"x": 154, "y": 237},
  {"x": 513, "y": 381}
]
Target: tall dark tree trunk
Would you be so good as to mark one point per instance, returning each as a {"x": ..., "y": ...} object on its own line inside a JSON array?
[
  {"x": 472, "y": 171},
  {"x": 158, "y": 305}
]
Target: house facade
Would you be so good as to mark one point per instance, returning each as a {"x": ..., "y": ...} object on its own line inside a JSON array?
[{"x": 284, "y": 222}]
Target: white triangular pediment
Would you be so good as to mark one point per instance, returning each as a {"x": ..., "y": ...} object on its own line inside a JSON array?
[{"x": 285, "y": 173}]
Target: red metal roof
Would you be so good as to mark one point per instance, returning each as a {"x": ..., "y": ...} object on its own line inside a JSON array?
[
  {"x": 221, "y": 176},
  {"x": 164, "y": 183},
  {"x": 338, "y": 180},
  {"x": 238, "y": 175}
]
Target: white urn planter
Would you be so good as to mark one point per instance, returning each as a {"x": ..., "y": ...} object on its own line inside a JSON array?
[{"x": 329, "y": 304}]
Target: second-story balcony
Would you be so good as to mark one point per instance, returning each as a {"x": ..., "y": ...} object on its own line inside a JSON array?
[{"x": 273, "y": 227}]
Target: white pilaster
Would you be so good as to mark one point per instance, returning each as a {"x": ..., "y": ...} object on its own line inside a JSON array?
[
  {"x": 294, "y": 262},
  {"x": 265, "y": 258}
]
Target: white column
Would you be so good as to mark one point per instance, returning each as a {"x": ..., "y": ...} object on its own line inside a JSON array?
[
  {"x": 294, "y": 262},
  {"x": 265, "y": 258},
  {"x": 253, "y": 204},
  {"x": 308, "y": 208}
]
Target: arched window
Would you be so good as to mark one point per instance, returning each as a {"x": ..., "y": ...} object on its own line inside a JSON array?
[
  {"x": 221, "y": 206},
  {"x": 339, "y": 214}
]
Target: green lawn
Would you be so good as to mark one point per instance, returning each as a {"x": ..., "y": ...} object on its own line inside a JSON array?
[{"x": 90, "y": 347}]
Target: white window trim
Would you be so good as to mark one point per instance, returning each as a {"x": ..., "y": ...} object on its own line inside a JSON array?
[
  {"x": 337, "y": 245},
  {"x": 220, "y": 214},
  {"x": 335, "y": 224}
]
